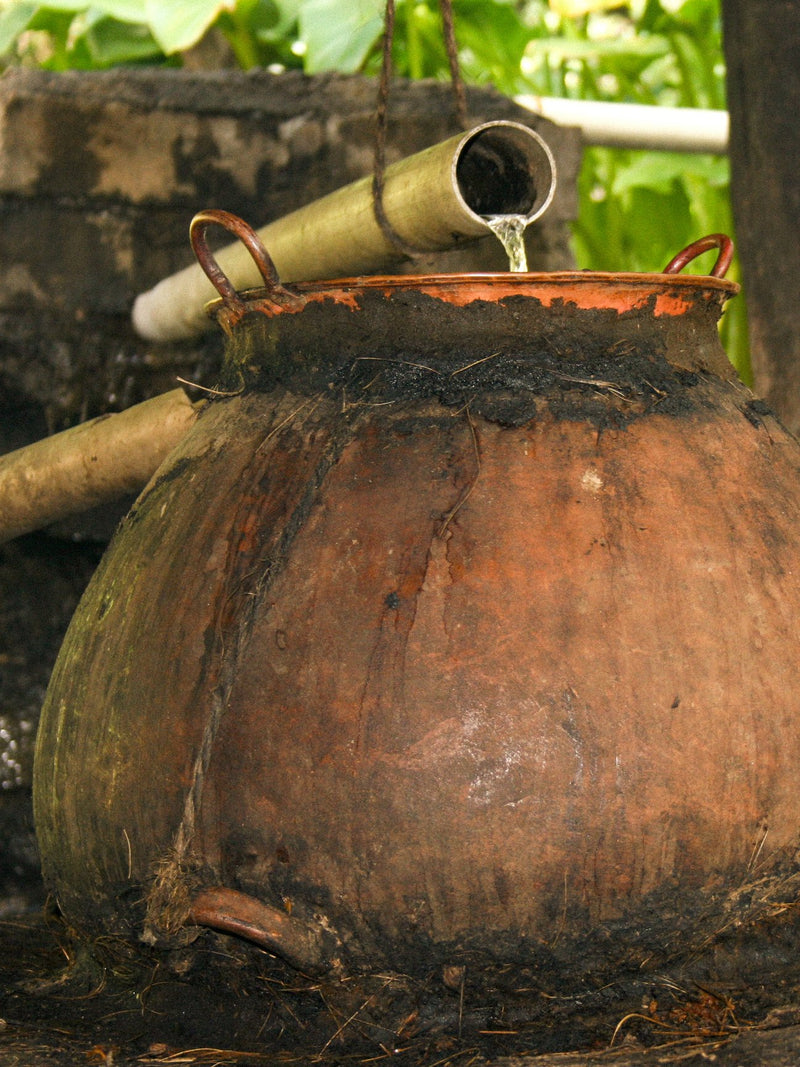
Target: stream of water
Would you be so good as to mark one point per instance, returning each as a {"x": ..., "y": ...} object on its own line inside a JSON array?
[{"x": 510, "y": 231}]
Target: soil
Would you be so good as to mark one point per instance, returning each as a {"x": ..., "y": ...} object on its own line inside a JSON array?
[{"x": 220, "y": 1001}]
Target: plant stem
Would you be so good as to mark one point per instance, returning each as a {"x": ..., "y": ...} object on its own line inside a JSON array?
[
  {"x": 239, "y": 36},
  {"x": 413, "y": 43}
]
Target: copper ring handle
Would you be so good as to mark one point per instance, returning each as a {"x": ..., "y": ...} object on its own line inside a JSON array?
[
  {"x": 713, "y": 240},
  {"x": 252, "y": 242},
  {"x": 308, "y": 946}
]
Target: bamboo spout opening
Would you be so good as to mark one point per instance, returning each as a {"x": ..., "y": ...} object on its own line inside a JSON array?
[{"x": 505, "y": 169}]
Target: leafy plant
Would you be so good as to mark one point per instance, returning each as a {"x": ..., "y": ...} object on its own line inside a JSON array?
[{"x": 636, "y": 208}]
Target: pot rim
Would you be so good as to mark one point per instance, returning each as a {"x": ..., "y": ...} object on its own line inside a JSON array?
[
  {"x": 513, "y": 280},
  {"x": 590, "y": 289},
  {"x": 669, "y": 294}
]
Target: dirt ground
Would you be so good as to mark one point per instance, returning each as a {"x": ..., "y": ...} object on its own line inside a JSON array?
[{"x": 224, "y": 1002}]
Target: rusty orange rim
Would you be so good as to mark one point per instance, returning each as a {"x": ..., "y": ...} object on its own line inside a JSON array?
[{"x": 670, "y": 292}]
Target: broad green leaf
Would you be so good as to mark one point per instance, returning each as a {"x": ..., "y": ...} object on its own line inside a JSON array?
[
  {"x": 659, "y": 225},
  {"x": 63, "y": 5},
  {"x": 123, "y": 10},
  {"x": 14, "y": 18},
  {"x": 178, "y": 24},
  {"x": 339, "y": 36},
  {"x": 700, "y": 14},
  {"x": 289, "y": 10},
  {"x": 660, "y": 170},
  {"x": 111, "y": 42},
  {"x": 494, "y": 46},
  {"x": 272, "y": 20}
]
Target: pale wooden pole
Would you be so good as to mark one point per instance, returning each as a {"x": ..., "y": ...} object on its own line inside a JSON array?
[{"x": 94, "y": 463}]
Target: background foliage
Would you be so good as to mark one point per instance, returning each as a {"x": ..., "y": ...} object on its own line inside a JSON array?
[{"x": 636, "y": 208}]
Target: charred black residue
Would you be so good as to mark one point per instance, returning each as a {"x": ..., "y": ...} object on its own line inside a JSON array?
[
  {"x": 505, "y": 359},
  {"x": 755, "y": 411}
]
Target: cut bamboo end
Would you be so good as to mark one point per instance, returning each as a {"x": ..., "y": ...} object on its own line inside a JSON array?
[{"x": 94, "y": 463}]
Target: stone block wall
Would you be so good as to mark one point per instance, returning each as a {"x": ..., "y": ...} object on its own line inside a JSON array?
[{"x": 100, "y": 175}]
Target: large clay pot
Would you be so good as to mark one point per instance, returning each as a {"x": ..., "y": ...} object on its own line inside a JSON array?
[{"x": 464, "y": 621}]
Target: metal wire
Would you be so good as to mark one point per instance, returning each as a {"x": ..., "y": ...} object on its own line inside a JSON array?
[{"x": 382, "y": 113}]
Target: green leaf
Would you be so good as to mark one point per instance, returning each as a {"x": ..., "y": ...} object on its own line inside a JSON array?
[
  {"x": 339, "y": 36},
  {"x": 14, "y": 18},
  {"x": 123, "y": 10},
  {"x": 289, "y": 11},
  {"x": 178, "y": 25},
  {"x": 63, "y": 5},
  {"x": 110, "y": 41},
  {"x": 660, "y": 171},
  {"x": 493, "y": 45},
  {"x": 269, "y": 21}
]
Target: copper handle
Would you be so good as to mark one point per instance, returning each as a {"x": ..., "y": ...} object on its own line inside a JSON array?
[
  {"x": 252, "y": 242},
  {"x": 704, "y": 244},
  {"x": 310, "y": 947}
]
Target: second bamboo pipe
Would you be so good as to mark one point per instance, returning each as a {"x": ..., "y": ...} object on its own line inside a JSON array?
[
  {"x": 433, "y": 200},
  {"x": 94, "y": 463}
]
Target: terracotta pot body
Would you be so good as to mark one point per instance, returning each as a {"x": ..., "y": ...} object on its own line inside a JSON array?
[{"x": 469, "y": 626}]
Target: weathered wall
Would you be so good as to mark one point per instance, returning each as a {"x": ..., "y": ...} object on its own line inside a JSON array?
[{"x": 100, "y": 175}]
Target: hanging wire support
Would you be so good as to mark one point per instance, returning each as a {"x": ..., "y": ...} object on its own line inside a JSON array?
[
  {"x": 381, "y": 122},
  {"x": 449, "y": 33}
]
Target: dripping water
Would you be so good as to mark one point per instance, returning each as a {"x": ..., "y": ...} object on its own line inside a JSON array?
[{"x": 510, "y": 231}]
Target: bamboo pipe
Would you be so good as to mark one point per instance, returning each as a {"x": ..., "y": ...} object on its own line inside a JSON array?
[
  {"x": 94, "y": 463},
  {"x": 433, "y": 200}
]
